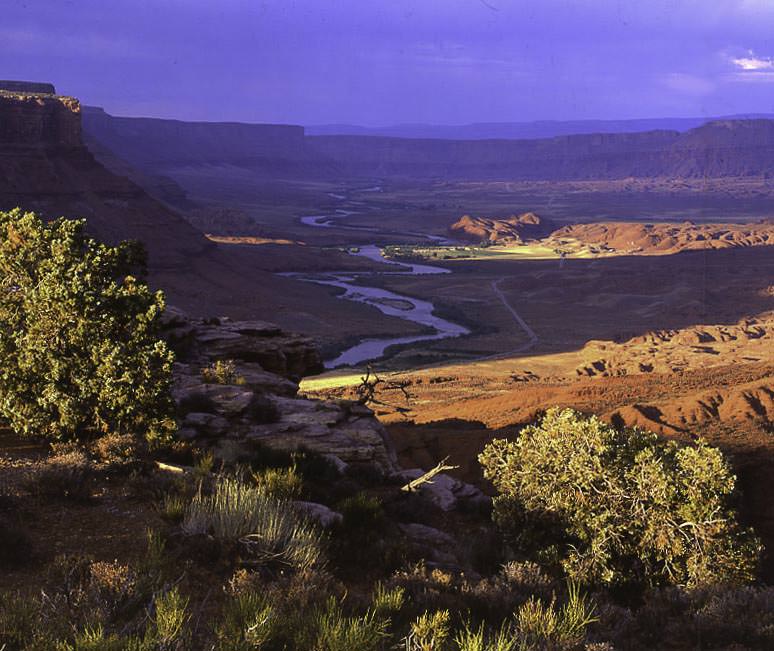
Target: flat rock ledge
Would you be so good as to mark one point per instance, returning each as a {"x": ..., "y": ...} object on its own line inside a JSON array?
[{"x": 259, "y": 403}]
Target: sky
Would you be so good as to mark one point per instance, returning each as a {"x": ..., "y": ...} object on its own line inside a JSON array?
[{"x": 385, "y": 62}]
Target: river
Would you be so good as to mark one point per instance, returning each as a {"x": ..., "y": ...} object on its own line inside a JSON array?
[{"x": 389, "y": 303}]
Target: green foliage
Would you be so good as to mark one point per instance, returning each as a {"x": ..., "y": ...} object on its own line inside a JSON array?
[
  {"x": 479, "y": 639},
  {"x": 271, "y": 529},
  {"x": 544, "y": 626},
  {"x": 338, "y": 632},
  {"x": 94, "y": 638},
  {"x": 617, "y": 507},
  {"x": 429, "y": 632},
  {"x": 280, "y": 483},
  {"x": 167, "y": 631},
  {"x": 222, "y": 372},
  {"x": 388, "y": 601},
  {"x": 79, "y": 351},
  {"x": 173, "y": 507},
  {"x": 247, "y": 623},
  {"x": 362, "y": 512}
]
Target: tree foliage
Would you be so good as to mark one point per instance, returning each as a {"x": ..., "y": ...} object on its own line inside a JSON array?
[
  {"x": 619, "y": 506},
  {"x": 79, "y": 351}
]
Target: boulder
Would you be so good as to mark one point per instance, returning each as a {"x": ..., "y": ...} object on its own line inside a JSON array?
[
  {"x": 437, "y": 546},
  {"x": 446, "y": 492},
  {"x": 319, "y": 513},
  {"x": 262, "y": 405}
]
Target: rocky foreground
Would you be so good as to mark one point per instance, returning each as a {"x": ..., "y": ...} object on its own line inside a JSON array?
[
  {"x": 259, "y": 402},
  {"x": 258, "y": 405}
]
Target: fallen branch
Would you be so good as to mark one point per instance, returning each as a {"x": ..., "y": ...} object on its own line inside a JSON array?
[
  {"x": 172, "y": 468},
  {"x": 414, "y": 484}
]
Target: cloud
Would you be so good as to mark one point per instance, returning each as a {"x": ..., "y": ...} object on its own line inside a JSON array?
[{"x": 752, "y": 63}]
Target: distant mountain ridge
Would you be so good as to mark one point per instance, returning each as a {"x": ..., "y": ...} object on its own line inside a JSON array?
[
  {"x": 536, "y": 129},
  {"x": 719, "y": 149}
]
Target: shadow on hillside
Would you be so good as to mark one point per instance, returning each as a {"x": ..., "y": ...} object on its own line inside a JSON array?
[{"x": 424, "y": 445}]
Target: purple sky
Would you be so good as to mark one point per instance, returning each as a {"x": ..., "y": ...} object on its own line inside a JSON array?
[{"x": 380, "y": 62}]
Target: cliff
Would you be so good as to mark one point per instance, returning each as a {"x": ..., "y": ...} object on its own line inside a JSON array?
[
  {"x": 45, "y": 167},
  {"x": 37, "y": 120},
  {"x": 156, "y": 144},
  {"x": 726, "y": 148},
  {"x": 517, "y": 228}
]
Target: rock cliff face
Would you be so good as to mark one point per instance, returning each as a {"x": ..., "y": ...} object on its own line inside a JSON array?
[
  {"x": 258, "y": 404},
  {"x": 45, "y": 167},
  {"x": 726, "y": 148},
  {"x": 28, "y": 87},
  {"x": 154, "y": 143},
  {"x": 38, "y": 120},
  {"x": 663, "y": 238},
  {"x": 517, "y": 228}
]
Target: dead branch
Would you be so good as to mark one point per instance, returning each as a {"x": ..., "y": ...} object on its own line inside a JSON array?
[
  {"x": 371, "y": 385},
  {"x": 414, "y": 484}
]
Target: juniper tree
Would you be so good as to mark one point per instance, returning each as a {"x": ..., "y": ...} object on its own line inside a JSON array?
[
  {"x": 619, "y": 506},
  {"x": 79, "y": 346}
]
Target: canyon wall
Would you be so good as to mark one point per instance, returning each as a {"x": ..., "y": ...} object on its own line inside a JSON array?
[
  {"x": 45, "y": 167},
  {"x": 154, "y": 143},
  {"x": 39, "y": 120},
  {"x": 726, "y": 148}
]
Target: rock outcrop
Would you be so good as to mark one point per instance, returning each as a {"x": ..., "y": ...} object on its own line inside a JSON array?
[
  {"x": 30, "y": 119},
  {"x": 258, "y": 404},
  {"x": 27, "y": 87},
  {"x": 518, "y": 228},
  {"x": 45, "y": 167},
  {"x": 662, "y": 238}
]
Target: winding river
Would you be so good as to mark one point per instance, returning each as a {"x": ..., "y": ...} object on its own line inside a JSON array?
[{"x": 389, "y": 303}]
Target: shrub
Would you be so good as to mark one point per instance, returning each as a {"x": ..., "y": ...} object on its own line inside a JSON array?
[
  {"x": 67, "y": 473},
  {"x": 338, "y": 632},
  {"x": 115, "y": 449},
  {"x": 271, "y": 529},
  {"x": 544, "y": 626},
  {"x": 222, "y": 372},
  {"x": 279, "y": 483},
  {"x": 173, "y": 507},
  {"x": 79, "y": 352},
  {"x": 619, "y": 506},
  {"x": 479, "y": 639},
  {"x": 362, "y": 513},
  {"x": 167, "y": 630},
  {"x": 247, "y": 623},
  {"x": 429, "y": 632}
]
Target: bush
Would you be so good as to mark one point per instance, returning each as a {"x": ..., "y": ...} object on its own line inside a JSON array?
[
  {"x": 79, "y": 351},
  {"x": 280, "y": 483},
  {"x": 68, "y": 473},
  {"x": 619, "y": 506},
  {"x": 247, "y": 623},
  {"x": 338, "y": 632},
  {"x": 222, "y": 372},
  {"x": 270, "y": 529}
]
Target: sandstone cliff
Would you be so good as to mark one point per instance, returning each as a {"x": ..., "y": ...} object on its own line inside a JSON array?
[
  {"x": 726, "y": 148},
  {"x": 45, "y": 167},
  {"x": 517, "y": 228}
]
